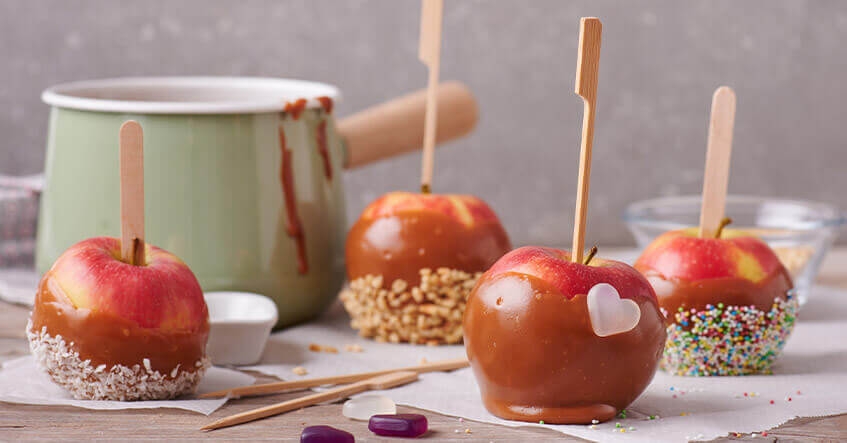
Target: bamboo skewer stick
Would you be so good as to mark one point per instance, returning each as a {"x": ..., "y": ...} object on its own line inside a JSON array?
[
  {"x": 587, "y": 68},
  {"x": 277, "y": 387},
  {"x": 132, "y": 192},
  {"x": 429, "y": 52},
  {"x": 385, "y": 381},
  {"x": 718, "y": 153}
]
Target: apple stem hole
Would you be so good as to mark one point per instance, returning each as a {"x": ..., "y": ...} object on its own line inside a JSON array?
[
  {"x": 724, "y": 222},
  {"x": 591, "y": 253}
]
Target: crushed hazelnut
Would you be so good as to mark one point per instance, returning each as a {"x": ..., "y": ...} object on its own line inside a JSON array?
[
  {"x": 314, "y": 347},
  {"x": 430, "y": 313},
  {"x": 794, "y": 258},
  {"x": 299, "y": 370},
  {"x": 353, "y": 348}
]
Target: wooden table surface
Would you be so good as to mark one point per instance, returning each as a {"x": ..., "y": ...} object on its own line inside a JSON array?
[{"x": 23, "y": 422}]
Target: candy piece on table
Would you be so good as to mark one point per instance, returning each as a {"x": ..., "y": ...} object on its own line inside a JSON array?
[
  {"x": 418, "y": 247},
  {"x": 728, "y": 299},
  {"x": 398, "y": 425},
  {"x": 558, "y": 357},
  {"x": 366, "y": 406},
  {"x": 325, "y": 434}
]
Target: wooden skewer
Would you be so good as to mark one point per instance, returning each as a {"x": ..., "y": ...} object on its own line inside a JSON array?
[
  {"x": 276, "y": 387},
  {"x": 429, "y": 52},
  {"x": 587, "y": 68},
  {"x": 718, "y": 152},
  {"x": 132, "y": 193},
  {"x": 385, "y": 381}
]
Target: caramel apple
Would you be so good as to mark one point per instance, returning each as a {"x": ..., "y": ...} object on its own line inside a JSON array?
[
  {"x": 563, "y": 342},
  {"x": 105, "y": 329},
  {"x": 727, "y": 300},
  {"x": 412, "y": 260}
]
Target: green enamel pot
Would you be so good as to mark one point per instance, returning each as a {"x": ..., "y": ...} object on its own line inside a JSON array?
[{"x": 241, "y": 181}]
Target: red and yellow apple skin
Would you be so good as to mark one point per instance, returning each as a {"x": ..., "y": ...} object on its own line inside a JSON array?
[
  {"x": 118, "y": 313},
  {"x": 532, "y": 347},
  {"x": 689, "y": 272},
  {"x": 401, "y": 233}
]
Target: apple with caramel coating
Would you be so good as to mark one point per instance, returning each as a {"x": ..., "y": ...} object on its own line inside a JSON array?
[
  {"x": 563, "y": 342},
  {"x": 411, "y": 261},
  {"x": 105, "y": 329},
  {"x": 727, "y": 299},
  {"x": 401, "y": 233}
]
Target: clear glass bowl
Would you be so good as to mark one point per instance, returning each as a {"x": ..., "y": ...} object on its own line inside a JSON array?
[{"x": 800, "y": 232}]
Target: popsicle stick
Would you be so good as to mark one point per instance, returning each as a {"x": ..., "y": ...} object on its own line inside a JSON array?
[
  {"x": 276, "y": 387},
  {"x": 385, "y": 381},
  {"x": 587, "y": 68},
  {"x": 718, "y": 153},
  {"x": 132, "y": 192},
  {"x": 429, "y": 52}
]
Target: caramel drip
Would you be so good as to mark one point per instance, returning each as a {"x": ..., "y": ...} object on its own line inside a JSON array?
[
  {"x": 295, "y": 108},
  {"x": 327, "y": 103},
  {"x": 322, "y": 149},
  {"x": 293, "y": 227}
]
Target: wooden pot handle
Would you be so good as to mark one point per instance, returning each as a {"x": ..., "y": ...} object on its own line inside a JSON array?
[{"x": 397, "y": 126}]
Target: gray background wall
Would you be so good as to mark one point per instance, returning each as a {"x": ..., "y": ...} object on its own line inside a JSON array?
[{"x": 661, "y": 60}]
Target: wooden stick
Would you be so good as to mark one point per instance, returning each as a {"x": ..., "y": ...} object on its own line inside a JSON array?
[
  {"x": 718, "y": 152},
  {"x": 429, "y": 52},
  {"x": 277, "y": 387},
  {"x": 587, "y": 68},
  {"x": 386, "y": 381},
  {"x": 132, "y": 193}
]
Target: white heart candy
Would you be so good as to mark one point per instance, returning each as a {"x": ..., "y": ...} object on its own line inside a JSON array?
[{"x": 609, "y": 313}]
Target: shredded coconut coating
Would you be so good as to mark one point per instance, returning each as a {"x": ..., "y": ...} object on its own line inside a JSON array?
[
  {"x": 430, "y": 313},
  {"x": 84, "y": 381}
]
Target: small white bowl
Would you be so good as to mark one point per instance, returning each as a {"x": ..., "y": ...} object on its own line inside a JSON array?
[{"x": 240, "y": 323}]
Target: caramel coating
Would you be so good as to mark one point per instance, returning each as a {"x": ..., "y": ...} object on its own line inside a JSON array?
[
  {"x": 536, "y": 356},
  {"x": 731, "y": 291},
  {"x": 110, "y": 340},
  {"x": 400, "y": 245}
]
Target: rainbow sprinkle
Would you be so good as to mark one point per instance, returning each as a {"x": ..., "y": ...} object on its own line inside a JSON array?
[{"x": 728, "y": 340}]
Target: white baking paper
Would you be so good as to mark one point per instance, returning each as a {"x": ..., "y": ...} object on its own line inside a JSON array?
[{"x": 21, "y": 382}]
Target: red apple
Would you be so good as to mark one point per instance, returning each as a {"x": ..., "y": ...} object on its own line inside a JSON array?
[
  {"x": 690, "y": 272},
  {"x": 402, "y": 232},
  {"x": 162, "y": 294},
  {"x": 533, "y": 345},
  {"x": 100, "y": 325}
]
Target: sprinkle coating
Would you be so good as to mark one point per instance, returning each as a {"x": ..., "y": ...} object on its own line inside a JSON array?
[{"x": 728, "y": 340}]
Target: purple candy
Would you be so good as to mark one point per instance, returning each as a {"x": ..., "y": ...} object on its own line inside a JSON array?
[
  {"x": 325, "y": 434},
  {"x": 398, "y": 425}
]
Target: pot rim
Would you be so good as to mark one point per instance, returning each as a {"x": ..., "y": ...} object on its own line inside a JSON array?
[{"x": 187, "y": 94}]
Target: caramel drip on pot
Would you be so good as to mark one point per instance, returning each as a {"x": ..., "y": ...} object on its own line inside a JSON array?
[
  {"x": 293, "y": 227},
  {"x": 322, "y": 149},
  {"x": 327, "y": 103},
  {"x": 295, "y": 108}
]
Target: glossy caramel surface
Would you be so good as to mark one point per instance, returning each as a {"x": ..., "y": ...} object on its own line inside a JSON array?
[
  {"x": 731, "y": 291},
  {"x": 536, "y": 357},
  {"x": 397, "y": 246},
  {"x": 109, "y": 340}
]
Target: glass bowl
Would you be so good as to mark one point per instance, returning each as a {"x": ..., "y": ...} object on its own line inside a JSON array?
[{"x": 799, "y": 232}]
